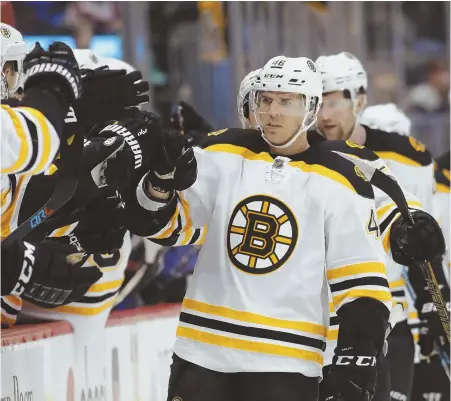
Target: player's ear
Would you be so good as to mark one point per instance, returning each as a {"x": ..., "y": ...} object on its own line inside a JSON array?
[{"x": 360, "y": 104}]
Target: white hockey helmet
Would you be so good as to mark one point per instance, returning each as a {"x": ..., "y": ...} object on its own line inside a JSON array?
[
  {"x": 386, "y": 117},
  {"x": 343, "y": 72},
  {"x": 13, "y": 48},
  {"x": 243, "y": 97},
  {"x": 295, "y": 75},
  {"x": 116, "y": 64},
  {"x": 87, "y": 59}
]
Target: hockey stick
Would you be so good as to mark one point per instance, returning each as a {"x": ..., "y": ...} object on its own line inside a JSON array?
[
  {"x": 65, "y": 187},
  {"x": 388, "y": 185},
  {"x": 438, "y": 346}
]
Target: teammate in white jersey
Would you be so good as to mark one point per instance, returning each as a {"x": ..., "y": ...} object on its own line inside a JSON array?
[
  {"x": 344, "y": 90},
  {"x": 284, "y": 221}
]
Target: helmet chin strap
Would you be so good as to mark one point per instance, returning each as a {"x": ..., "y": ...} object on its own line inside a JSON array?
[{"x": 292, "y": 139}]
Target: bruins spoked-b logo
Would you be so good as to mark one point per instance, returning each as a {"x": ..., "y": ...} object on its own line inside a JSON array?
[{"x": 262, "y": 234}]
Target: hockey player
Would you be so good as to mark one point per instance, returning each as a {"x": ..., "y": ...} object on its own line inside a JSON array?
[
  {"x": 273, "y": 228},
  {"x": 344, "y": 91},
  {"x": 90, "y": 220},
  {"x": 30, "y": 140}
]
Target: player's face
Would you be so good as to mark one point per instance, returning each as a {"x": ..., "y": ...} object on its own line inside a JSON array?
[
  {"x": 280, "y": 114},
  {"x": 336, "y": 117},
  {"x": 11, "y": 75}
]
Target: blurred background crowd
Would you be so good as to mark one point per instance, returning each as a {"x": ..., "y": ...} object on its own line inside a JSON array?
[{"x": 199, "y": 52}]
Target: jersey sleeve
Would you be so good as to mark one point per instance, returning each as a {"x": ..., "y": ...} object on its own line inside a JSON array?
[
  {"x": 184, "y": 220},
  {"x": 355, "y": 258},
  {"x": 29, "y": 141}
]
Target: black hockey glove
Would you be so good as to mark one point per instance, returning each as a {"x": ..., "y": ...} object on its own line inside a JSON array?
[
  {"x": 190, "y": 122},
  {"x": 418, "y": 243},
  {"x": 174, "y": 164},
  {"x": 134, "y": 160},
  {"x": 107, "y": 93},
  {"x": 353, "y": 374},
  {"x": 100, "y": 229},
  {"x": 48, "y": 274},
  {"x": 55, "y": 70}
]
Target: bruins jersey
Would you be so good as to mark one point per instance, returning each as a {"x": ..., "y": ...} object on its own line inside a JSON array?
[
  {"x": 29, "y": 141},
  {"x": 91, "y": 312},
  {"x": 282, "y": 231},
  {"x": 386, "y": 214},
  {"x": 408, "y": 159},
  {"x": 442, "y": 211}
]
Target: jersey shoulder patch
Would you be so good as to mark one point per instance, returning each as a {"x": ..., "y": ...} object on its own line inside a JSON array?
[
  {"x": 442, "y": 176},
  {"x": 249, "y": 139},
  {"x": 400, "y": 148},
  {"x": 349, "y": 148},
  {"x": 336, "y": 167}
]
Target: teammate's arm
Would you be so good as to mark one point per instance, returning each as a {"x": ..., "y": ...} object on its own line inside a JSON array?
[{"x": 355, "y": 262}]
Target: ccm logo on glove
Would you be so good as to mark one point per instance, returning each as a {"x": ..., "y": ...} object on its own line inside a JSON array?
[
  {"x": 357, "y": 360},
  {"x": 27, "y": 270},
  {"x": 130, "y": 139}
]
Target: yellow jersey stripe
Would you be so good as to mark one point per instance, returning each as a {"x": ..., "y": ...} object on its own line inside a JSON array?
[
  {"x": 13, "y": 301},
  {"x": 264, "y": 156},
  {"x": 82, "y": 310},
  {"x": 332, "y": 335},
  {"x": 398, "y": 158},
  {"x": 397, "y": 283},
  {"x": 248, "y": 345},
  {"x": 249, "y": 317},
  {"x": 171, "y": 227},
  {"x": 413, "y": 315},
  {"x": 7, "y": 216},
  {"x": 46, "y": 139},
  {"x": 109, "y": 285},
  {"x": 384, "y": 296},
  {"x": 360, "y": 268},
  {"x": 25, "y": 142},
  {"x": 382, "y": 210},
  {"x": 442, "y": 188}
]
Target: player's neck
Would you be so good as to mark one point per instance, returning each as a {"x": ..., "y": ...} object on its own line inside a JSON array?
[
  {"x": 298, "y": 146},
  {"x": 358, "y": 135}
]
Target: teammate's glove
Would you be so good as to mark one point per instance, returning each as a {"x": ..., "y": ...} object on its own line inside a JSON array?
[
  {"x": 422, "y": 241},
  {"x": 190, "y": 122},
  {"x": 107, "y": 93},
  {"x": 100, "y": 230},
  {"x": 134, "y": 160},
  {"x": 55, "y": 69},
  {"x": 174, "y": 164},
  {"x": 48, "y": 274},
  {"x": 353, "y": 374}
]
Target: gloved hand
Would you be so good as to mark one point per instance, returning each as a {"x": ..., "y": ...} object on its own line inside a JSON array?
[
  {"x": 100, "y": 230},
  {"x": 421, "y": 242},
  {"x": 353, "y": 374},
  {"x": 48, "y": 273},
  {"x": 174, "y": 166},
  {"x": 107, "y": 93},
  {"x": 187, "y": 120},
  {"x": 134, "y": 160},
  {"x": 55, "y": 69}
]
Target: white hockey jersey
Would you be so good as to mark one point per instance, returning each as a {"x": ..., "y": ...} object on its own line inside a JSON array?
[
  {"x": 29, "y": 142},
  {"x": 91, "y": 312},
  {"x": 281, "y": 232},
  {"x": 411, "y": 165},
  {"x": 386, "y": 214}
]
